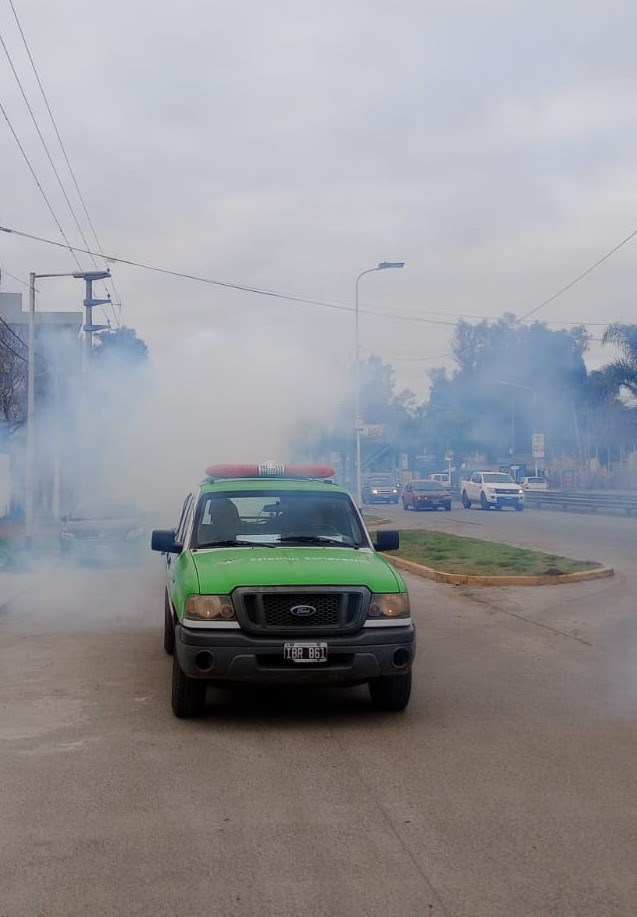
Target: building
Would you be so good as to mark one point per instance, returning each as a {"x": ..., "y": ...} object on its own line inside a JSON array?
[{"x": 58, "y": 361}]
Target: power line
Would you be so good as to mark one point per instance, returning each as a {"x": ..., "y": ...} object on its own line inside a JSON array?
[
  {"x": 15, "y": 334},
  {"x": 289, "y": 297},
  {"x": 64, "y": 153},
  {"x": 46, "y": 149},
  {"x": 581, "y": 276},
  {"x": 15, "y": 353},
  {"x": 41, "y": 189},
  {"x": 25, "y": 283}
]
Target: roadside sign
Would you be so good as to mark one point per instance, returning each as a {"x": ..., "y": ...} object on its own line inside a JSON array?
[{"x": 537, "y": 445}]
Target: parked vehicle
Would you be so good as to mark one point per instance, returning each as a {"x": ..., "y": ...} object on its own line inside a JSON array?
[
  {"x": 537, "y": 483},
  {"x": 420, "y": 495},
  {"x": 101, "y": 531},
  {"x": 491, "y": 488}
]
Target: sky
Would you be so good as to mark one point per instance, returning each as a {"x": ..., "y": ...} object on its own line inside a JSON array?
[{"x": 289, "y": 145}]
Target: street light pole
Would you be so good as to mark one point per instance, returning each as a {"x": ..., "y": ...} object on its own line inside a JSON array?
[
  {"x": 529, "y": 388},
  {"x": 30, "y": 444},
  {"x": 358, "y": 420},
  {"x": 29, "y": 501}
]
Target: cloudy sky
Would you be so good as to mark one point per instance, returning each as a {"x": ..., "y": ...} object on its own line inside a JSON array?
[{"x": 289, "y": 145}]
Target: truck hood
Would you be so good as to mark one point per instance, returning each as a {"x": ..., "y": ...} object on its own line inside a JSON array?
[{"x": 221, "y": 570}]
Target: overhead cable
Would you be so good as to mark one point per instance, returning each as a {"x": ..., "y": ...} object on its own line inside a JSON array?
[
  {"x": 41, "y": 189},
  {"x": 289, "y": 297},
  {"x": 581, "y": 276},
  {"x": 63, "y": 148},
  {"x": 46, "y": 148}
]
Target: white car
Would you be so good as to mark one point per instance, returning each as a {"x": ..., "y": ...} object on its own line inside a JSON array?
[{"x": 534, "y": 484}]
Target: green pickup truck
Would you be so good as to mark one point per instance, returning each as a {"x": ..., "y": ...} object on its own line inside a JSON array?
[{"x": 271, "y": 577}]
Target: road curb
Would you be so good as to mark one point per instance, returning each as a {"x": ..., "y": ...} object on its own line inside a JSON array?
[{"x": 464, "y": 579}]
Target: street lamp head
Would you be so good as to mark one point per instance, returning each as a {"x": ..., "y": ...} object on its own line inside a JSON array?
[
  {"x": 91, "y": 275},
  {"x": 384, "y": 265}
]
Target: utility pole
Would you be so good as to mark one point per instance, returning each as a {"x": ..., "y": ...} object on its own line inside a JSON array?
[
  {"x": 89, "y": 303},
  {"x": 30, "y": 443},
  {"x": 89, "y": 328}
]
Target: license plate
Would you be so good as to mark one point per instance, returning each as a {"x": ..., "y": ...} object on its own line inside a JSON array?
[{"x": 305, "y": 652}]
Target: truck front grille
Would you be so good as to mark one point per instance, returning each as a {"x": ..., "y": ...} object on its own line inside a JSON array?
[{"x": 283, "y": 611}]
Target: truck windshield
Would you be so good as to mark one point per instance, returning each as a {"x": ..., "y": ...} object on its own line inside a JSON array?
[
  {"x": 496, "y": 478},
  {"x": 277, "y": 517}
]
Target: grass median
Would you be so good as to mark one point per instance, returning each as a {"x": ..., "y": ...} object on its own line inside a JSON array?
[{"x": 474, "y": 557}]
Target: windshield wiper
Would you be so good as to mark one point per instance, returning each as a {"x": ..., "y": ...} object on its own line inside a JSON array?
[
  {"x": 317, "y": 539},
  {"x": 233, "y": 543}
]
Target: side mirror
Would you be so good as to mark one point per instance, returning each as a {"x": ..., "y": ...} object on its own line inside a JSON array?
[
  {"x": 388, "y": 540},
  {"x": 164, "y": 540}
]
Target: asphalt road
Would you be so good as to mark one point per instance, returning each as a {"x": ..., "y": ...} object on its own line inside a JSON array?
[
  {"x": 611, "y": 539},
  {"x": 508, "y": 787}
]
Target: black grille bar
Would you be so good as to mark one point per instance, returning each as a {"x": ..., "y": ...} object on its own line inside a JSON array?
[{"x": 286, "y": 611}]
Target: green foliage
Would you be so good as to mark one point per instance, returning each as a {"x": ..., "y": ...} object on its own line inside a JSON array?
[
  {"x": 121, "y": 346},
  {"x": 508, "y": 381},
  {"x": 621, "y": 373}
]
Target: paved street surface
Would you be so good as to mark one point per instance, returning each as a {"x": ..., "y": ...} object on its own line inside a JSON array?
[
  {"x": 611, "y": 539},
  {"x": 507, "y": 789}
]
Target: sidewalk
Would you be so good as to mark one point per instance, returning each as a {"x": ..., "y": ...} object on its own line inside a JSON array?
[{"x": 20, "y": 569}]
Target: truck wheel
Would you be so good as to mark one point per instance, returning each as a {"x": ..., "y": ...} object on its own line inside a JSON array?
[
  {"x": 169, "y": 628},
  {"x": 519, "y": 507},
  {"x": 464, "y": 499},
  {"x": 188, "y": 697},
  {"x": 483, "y": 501},
  {"x": 390, "y": 692},
  {"x": 405, "y": 507},
  {"x": 448, "y": 507}
]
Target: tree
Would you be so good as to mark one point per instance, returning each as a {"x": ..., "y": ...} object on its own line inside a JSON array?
[
  {"x": 511, "y": 380},
  {"x": 121, "y": 346},
  {"x": 621, "y": 373},
  {"x": 13, "y": 377}
]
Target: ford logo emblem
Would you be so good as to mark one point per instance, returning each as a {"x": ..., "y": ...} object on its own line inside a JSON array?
[{"x": 303, "y": 611}]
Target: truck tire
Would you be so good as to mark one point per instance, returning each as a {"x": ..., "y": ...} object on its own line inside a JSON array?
[
  {"x": 519, "y": 507},
  {"x": 188, "y": 697},
  {"x": 169, "y": 628},
  {"x": 464, "y": 499},
  {"x": 483, "y": 501},
  {"x": 448, "y": 507},
  {"x": 391, "y": 692}
]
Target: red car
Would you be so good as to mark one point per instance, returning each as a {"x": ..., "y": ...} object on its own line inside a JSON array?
[{"x": 426, "y": 495}]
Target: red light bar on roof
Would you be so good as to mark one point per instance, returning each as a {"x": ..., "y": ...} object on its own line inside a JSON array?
[{"x": 269, "y": 470}]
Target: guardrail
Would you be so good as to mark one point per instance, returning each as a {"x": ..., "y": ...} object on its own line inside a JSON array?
[{"x": 584, "y": 501}]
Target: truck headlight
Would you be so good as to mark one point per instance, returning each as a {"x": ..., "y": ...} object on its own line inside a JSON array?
[
  {"x": 209, "y": 608},
  {"x": 375, "y": 490},
  {"x": 520, "y": 491},
  {"x": 389, "y": 605}
]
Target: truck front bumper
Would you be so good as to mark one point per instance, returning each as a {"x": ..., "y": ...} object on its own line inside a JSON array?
[
  {"x": 235, "y": 656},
  {"x": 505, "y": 500}
]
